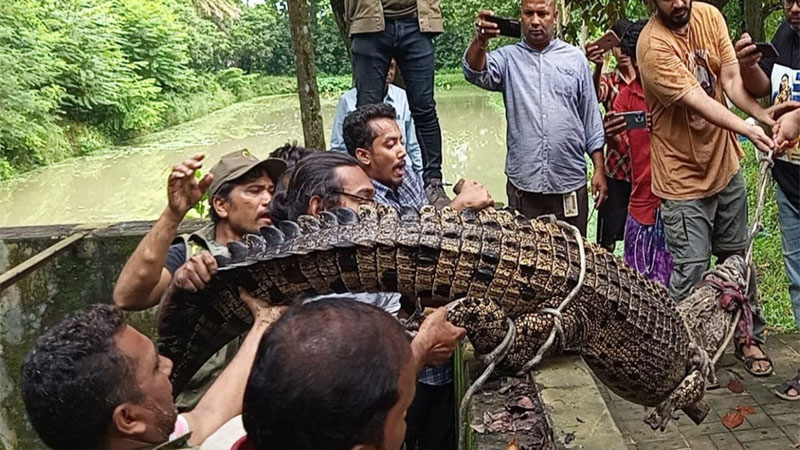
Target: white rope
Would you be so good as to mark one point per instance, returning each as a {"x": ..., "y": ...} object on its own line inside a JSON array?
[
  {"x": 763, "y": 177},
  {"x": 557, "y": 313},
  {"x": 494, "y": 358}
]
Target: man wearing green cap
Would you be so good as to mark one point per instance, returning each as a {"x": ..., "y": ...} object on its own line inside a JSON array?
[{"x": 240, "y": 188}]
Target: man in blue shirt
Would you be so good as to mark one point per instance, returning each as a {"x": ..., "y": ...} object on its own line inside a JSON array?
[
  {"x": 372, "y": 136},
  {"x": 395, "y": 96},
  {"x": 552, "y": 114}
]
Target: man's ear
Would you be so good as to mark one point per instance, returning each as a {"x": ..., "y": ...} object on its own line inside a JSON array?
[
  {"x": 364, "y": 155},
  {"x": 129, "y": 420},
  {"x": 314, "y": 206},
  {"x": 220, "y": 205}
]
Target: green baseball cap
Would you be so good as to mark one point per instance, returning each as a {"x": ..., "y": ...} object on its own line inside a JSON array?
[{"x": 236, "y": 164}]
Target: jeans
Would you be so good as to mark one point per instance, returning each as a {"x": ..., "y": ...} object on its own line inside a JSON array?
[
  {"x": 414, "y": 53},
  {"x": 789, "y": 217},
  {"x": 696, "y": 229}
]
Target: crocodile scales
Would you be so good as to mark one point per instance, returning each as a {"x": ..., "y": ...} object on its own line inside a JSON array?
[{"x": 502, "y": 265}]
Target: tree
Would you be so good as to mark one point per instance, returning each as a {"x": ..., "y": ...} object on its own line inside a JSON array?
[{"x": 306, "y": 67}]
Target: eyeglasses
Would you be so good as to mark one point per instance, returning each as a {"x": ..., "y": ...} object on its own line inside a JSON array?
[
  {"x": 790, "y": 3},
  {"x": 361, "y": 199}
]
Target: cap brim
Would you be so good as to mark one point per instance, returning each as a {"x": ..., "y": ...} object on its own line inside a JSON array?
[{"x": 273, "y": 166}]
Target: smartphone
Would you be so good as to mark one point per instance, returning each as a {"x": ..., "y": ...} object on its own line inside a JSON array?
[
  {"x": 634, "y": 120},
  {"x": 507, "y": 27},
  {"x": 767, "y": 50},
  {"x": 607, "y": 41}
]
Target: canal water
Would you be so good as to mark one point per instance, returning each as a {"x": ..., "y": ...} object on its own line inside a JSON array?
[{"x": 129, "y": 182}]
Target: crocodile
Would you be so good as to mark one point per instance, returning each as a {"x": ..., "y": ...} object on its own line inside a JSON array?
[{"x": 488, "y": 267}]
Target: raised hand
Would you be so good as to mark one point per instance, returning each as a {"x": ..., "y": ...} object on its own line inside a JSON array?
[{"x": 183, "y": 189}]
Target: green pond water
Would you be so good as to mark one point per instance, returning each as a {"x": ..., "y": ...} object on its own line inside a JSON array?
[{"x": 129, "y": 182}]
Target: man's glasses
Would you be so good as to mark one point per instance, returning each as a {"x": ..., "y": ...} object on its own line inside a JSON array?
[
  {"x": 360, "y": 198},
  {"x": 789, "y": 3}
]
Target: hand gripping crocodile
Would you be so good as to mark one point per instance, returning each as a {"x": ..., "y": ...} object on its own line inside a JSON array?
[{"x": 491, "y": 266}]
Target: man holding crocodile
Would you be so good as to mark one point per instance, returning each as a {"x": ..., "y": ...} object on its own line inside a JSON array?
[{"x": 240, "y": 188}]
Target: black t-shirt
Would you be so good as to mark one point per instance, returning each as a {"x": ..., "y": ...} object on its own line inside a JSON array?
[
  {"x": 787, "y": 42},
  {"x": 176, "y": 256}
]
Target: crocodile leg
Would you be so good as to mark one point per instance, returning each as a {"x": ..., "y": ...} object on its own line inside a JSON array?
[{"x": 687, "y": 396}]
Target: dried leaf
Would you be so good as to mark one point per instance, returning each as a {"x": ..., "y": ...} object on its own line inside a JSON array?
[
  {"x": 569, "y": 437},
  {"x": 745, "y": 410},
  {"x": 479, "y": 428},
  {"x": 579, "y": 420},
  {"x": 513, "y": 444},
  {"x": 525, "y": 403},
  {"x": 732, "y": 420},
  {"x": 735, "y": 386}
]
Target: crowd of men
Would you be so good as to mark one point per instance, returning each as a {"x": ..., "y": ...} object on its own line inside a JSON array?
[{"x": 306, "y": 376}]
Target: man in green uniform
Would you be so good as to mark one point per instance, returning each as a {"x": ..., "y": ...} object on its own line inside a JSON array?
[{"x": 240, "y": 188}]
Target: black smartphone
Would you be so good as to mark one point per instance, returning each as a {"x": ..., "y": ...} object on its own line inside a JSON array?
[
  {"x": 634, "y": 120},
  {"x": 767, "y": 50},
  {"x": 507, "y": 27}
]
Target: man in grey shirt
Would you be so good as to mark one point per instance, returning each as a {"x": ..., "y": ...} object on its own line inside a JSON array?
[{"x": 552, "y": 114}]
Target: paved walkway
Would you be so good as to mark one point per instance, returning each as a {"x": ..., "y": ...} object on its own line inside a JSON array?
[{"x": 775, "y": 424}]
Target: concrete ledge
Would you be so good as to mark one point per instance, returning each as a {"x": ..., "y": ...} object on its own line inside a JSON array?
[{"x": 576, "y": 406}]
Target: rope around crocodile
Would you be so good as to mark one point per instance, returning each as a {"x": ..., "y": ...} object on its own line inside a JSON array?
[{"x": 497, "y": 355}]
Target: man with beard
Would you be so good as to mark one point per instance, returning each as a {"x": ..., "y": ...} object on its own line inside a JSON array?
[
  {"x": 395, "y": 96},
  {"x": 757, "y": 74},
  {"x": 382, "y": 30},
  {"x": 552, "y": 113},
  {"x": 240, "y": 187},
  {"x": 93, "y": 381},
  {"x": 372, "y": 136},
  {"x": 688, "y": 66}
]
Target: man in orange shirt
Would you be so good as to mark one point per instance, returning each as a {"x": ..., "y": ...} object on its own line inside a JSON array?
[{"x": 688, "y": 67}]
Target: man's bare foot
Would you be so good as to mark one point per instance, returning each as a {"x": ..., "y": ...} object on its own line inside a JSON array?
[{"x": 755, "y": 360}]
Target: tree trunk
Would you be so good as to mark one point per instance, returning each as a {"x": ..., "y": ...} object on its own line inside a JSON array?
[
  {"x": 754, "y": 19},
  {"x": 306, "y": 74},
  {"x": 341, "y": 22}
]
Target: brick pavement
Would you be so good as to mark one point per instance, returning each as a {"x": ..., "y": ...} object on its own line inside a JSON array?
[{"x": 775, "y": 425}]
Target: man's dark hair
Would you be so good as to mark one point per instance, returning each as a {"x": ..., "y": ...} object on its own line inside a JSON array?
[
  {"x": 225, "y": 189},
  {"x": 325, "y": 376},
  {"x": 631, "y": 38},
  {"x": 74, "y": 378},
  {"x": 292, "y": 153},
  {"x": 621, "y": 27},
  {"x": 357, "y": 131},
  {"x": 313, "y": 175}
]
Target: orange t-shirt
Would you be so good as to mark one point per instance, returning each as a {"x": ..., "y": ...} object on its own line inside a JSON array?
[{"x": 691, "y": 158}]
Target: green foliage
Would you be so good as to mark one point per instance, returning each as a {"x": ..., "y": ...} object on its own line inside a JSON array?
[{"x": 253, "y": 38}]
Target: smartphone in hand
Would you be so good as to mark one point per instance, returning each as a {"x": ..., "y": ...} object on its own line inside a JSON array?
[
  {"x": 634, "y": 120},
  {"x": 607, "y": 41},
  {"x": 767, "y": 50},
  {"x": 507, "y": 27}
]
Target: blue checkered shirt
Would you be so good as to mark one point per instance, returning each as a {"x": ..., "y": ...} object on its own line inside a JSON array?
[{"x": 411, "y": 194}]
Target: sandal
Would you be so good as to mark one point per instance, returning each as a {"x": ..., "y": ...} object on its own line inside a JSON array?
[
  {"x": 782, "y": 391},
  {"x": 750, "y": 360}
]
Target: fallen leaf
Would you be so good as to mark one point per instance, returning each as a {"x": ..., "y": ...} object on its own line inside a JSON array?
[
  {"x": 569, "y": 437},
  {"x": 479, "y": 428},
  {"x": 735, "y": 386},
  {"x": 745, "y": 410},
  {"x": 579, "y": 420},
  {"x": 732, "y": 420},
  {"x": 524, "y": 402}
]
